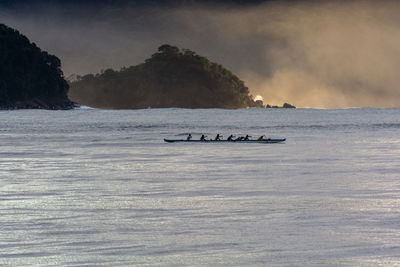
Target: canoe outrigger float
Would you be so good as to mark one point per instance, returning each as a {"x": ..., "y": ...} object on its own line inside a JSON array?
[{"x": 262, "y": 141}]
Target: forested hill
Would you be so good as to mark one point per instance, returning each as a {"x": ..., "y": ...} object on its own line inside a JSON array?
[
  {"x": 29, "y": 77},
  {"x": 170, "y": 78}
]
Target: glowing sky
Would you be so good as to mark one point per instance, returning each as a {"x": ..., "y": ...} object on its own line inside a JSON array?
[{"x": 323, "y": 54}]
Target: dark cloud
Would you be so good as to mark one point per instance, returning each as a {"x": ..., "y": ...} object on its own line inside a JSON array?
[
  {"x": 19, "y": 3},
  {"x": 310, "y": 53}
]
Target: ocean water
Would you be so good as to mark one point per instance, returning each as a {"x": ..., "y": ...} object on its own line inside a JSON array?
[{"x": 91, "y": 187}]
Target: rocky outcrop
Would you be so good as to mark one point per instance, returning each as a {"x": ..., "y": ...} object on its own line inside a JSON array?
[{"x": 286, "y": 105}]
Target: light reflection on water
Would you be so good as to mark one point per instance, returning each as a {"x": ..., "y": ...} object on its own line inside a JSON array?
[{"x": 91, "y": 187}]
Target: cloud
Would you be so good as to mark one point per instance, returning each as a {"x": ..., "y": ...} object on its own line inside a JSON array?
[{"x": 308, "y": 53}]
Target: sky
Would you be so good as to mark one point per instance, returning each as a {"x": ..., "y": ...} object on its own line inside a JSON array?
[{"x": 321, "y": 54}]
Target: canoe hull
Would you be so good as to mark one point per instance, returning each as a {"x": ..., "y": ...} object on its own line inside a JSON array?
[{"x": 264, "y": 141}]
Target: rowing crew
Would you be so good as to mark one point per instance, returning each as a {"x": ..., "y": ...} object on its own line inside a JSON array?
[{"x": 230, "y": 138}]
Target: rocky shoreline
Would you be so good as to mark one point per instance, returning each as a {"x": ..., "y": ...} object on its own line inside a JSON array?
[
  {"x": 260, "y": 104},
  {"x": 40, "y": 104},
  {"x": 286, "y": 105}
]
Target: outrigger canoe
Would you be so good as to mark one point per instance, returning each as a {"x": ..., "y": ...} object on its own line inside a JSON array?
[{"x": 263, "y": 141}]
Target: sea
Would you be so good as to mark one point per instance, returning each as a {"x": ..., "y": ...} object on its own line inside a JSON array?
[{"x": 90, "y": 187}]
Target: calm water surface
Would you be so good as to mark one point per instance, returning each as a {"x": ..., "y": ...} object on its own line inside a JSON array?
[{"x": 100, "y": 188}]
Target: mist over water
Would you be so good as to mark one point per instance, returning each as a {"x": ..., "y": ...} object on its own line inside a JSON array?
[{"x": 308, "y": 53}]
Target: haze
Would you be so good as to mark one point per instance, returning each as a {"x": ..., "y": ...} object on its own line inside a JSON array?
[{"x": 325, "y": 55}]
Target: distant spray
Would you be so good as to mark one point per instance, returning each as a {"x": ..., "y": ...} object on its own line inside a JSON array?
[{"x": 308, "y": 53}]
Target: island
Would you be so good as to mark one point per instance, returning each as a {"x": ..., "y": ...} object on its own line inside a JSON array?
[
  {"x": 171, "y": 77},
  {"x": 29, "y": 77}
]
